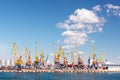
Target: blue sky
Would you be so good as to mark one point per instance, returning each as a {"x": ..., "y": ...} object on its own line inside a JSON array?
[{"x": 27, "y": 21}]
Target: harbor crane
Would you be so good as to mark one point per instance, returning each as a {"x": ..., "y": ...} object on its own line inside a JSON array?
[
  {"x": 42, "y": 58},
  {"x": 17, "y": 56},
  {"x": 94, "y": 62},
  {"x": 37, "y": 60},
  {"x": 80, "y": 61},
  {"x": 101, "y": 59},
  {"x": 28, "y": 62},
  {"x": 72, "y": 59}
]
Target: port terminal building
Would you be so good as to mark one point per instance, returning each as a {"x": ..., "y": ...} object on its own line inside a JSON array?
[{"x": 6, "y": 62}]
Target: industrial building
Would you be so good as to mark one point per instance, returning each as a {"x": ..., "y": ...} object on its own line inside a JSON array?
[{"x": 6, "y": 62}]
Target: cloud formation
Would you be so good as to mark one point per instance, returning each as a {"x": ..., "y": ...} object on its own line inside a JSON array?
[
  {"x": 112, "y": 9},
  {"x": 97, "y": 8},
  {"x": 83, "y": 22},
  {"x": 79, "y": 24}
]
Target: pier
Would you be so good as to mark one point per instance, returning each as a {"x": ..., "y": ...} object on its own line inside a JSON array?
[{"x": 62, "y": 71}]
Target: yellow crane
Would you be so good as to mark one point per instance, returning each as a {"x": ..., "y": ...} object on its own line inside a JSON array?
[
  {"x": 89, "y": 55},
  {"x": 94, "y": 62},
  {"x": 42, "y": 57},
  {"x": 94, "y": 54},
  {"x": 37, "y": 60},
  {"x": 17, "y": 55},
  {"x": 61, "y": 52},
  {"x": 55, "y": 55},
  {"x": 72, "y": 58},
  {"x": 27, "y": 56},
  {"x": 58, "y": 58},
  {"x": 80, "y": 61},
  {"x": 94, "y": 59},
  {"x": 65, "y": 60},
  {"x": 102, "y": 57}
]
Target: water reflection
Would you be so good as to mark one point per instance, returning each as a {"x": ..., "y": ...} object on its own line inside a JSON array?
[{"x": 59, "y": 76}]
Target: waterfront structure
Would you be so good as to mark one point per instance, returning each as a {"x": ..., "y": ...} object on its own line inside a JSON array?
[
  {"x": 6, "y": 62},
  {"x": 112, "y": 66}
]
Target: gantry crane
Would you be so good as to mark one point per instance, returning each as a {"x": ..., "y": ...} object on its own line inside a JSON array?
[
  {"x": 55, "y": 55},
  {"x": 80, "y": 61},
  {"x": 43, "y": 57},
  {"x": 72, "y": 59},
  {"x": 37, "y": 59},
  {"x": 17, "y": 56},
  {"x": 94, "y": 62},
  {"x": 58, "y": 58},
  {"x": 90, "y": 60},
  {"x": 28, "y": 62},
  {"x": 65, "y": 61},
  {"x": 101, "y": 59},
  {"x": 61, "y": 51},
  {"x": 94, "y": 59}
]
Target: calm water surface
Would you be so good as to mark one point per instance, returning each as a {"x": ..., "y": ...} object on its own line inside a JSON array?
[{"x": 59, "y": 76}]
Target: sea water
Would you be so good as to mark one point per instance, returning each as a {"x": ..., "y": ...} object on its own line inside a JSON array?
[{"x": 59, "y": 76}]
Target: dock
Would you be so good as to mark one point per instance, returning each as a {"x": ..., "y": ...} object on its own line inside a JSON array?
[{"x": 61, "y": 71}]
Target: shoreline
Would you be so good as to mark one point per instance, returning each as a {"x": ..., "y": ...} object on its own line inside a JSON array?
[{"x": 62, "y": 71}]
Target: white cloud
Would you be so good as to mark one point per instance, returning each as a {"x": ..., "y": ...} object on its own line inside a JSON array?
[
  {"x": 72, "y": 37},
  {"x": 70, "y": 33},
  {"x": 79, "y": 25},
  {"x": 84, "y": 16},
  {"x": 64, "y": 25},
  {"x": 115, "y": 10},
  {"x": 83, "y": 22},
  {"x": 97, "y": 8},
  {"x": 110, "y": 6}
]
